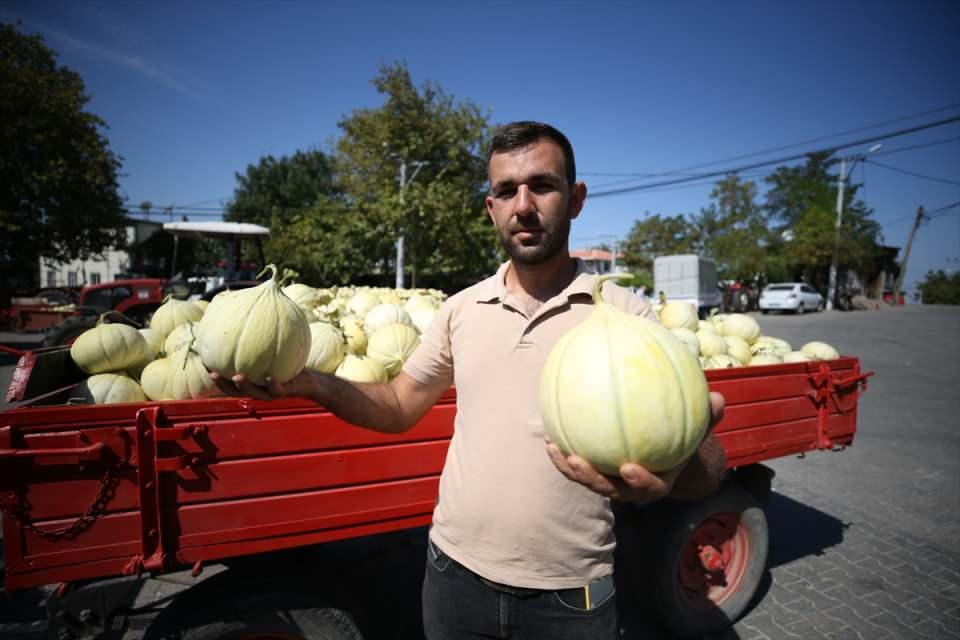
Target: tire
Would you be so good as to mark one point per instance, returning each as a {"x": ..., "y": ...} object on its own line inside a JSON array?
[
  {"x": 764, "y": 311},
  {"x": 257, "y": 615},
  {"x": 693, "y": 601},
  {"x": 821, "y": 305},
  {"x": 69, "y": 330},
  {"x": 800, "y": 309}
]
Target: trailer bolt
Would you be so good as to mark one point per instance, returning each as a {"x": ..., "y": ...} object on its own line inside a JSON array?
[
  {"x": 148, "y": 484},
  {"x": 152, "y": 533},
  {"x": 85, "y": 615},
  {"x": 65, "y": 634},
  {"x": 148, "y": 434}
]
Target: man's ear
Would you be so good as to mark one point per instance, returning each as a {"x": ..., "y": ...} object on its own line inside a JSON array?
[
  {"x": 578, "y": 195},
  {"x": 489, "y": 202}
]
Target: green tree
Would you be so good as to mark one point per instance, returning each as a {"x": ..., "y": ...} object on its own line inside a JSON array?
[
  {"x": 801, "y": 210},
  {"x": 654, "y": 236},
  {"x": 279, "y": 189},
  {"x": 440, "y": 212},
  {"x": 938, "y": 287},
  {"x": 732, "y": 229},
  {"x": 58, "y": 177}
]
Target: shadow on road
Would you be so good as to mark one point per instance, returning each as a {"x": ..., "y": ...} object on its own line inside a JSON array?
[{"x": 798, "y": 530}]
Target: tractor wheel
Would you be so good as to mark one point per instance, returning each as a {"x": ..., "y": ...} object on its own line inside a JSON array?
[
  {"x": 710, "y": 560},
  {"x": 69, "y": 330}
]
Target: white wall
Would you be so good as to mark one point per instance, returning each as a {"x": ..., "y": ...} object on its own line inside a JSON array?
[{"x": 82, "y": 272}]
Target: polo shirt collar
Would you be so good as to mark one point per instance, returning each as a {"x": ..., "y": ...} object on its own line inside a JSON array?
[{"x": 494, "y": 288}]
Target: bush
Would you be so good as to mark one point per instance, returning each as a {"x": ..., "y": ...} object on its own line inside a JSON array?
[{"x": 939, "y": 287}]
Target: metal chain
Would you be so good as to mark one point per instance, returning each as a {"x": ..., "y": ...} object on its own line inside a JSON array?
[{"x": 106, "y": 493}]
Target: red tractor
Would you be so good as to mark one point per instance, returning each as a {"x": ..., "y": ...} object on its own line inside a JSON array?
[{"x": 138, "y": 298}]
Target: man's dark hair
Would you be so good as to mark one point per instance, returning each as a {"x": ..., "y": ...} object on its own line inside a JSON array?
[{"x": 517, "y": 135}]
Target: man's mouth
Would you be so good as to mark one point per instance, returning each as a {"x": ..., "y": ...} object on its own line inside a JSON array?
[{"x": 527, "y": 235}]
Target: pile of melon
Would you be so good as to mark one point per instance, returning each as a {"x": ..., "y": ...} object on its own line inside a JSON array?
[
  {"x": 734, "y": 340},
  {"x": 274, "y": 330}
]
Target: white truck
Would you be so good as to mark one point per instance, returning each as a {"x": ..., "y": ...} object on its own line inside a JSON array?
[{"x": 688, "y": 278}]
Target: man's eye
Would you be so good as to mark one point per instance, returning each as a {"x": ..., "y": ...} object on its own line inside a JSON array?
[{"x": 505, "y": 193}]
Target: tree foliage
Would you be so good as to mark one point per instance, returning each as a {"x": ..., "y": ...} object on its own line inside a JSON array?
[
  {"x": 335, "y": 218},
  {"x": 732, "y": 229},
  {"x": 939, "y": 287},
  {"x": 279, "y": 189},
  {"x": 440, "y": 211},
  {"x": 58, "y": 177},
  {"x": 654, "y": 236},
  {"x": 801, "y": 206}
]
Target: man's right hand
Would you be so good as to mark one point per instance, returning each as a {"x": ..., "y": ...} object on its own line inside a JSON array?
[{"x": 304, "y": 384}]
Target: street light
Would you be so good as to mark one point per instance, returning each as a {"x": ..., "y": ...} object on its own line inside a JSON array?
[{"x": 832, "y": 287}]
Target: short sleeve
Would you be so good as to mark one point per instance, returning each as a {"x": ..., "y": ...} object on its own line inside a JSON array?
[{"x": 432, "y": 361}]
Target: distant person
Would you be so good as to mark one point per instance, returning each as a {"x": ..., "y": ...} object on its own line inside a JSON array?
[{"x": 522, "y": 537}]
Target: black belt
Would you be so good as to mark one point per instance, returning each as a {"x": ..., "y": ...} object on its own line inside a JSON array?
[{"x": 586, "y": 597}]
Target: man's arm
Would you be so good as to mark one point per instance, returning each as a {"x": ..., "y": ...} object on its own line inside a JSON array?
[
  {"x": 391, "y": 408},
  {"x": 703, "y": 474}
]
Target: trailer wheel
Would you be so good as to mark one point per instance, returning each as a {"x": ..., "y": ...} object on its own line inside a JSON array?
[
  {"x": 711, "y": 561},
  {"x": 281, "y": 616}
]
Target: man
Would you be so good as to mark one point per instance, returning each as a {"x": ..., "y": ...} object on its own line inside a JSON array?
[{"x": 517, "y": 549}]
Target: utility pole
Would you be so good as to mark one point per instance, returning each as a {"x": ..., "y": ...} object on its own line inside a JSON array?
[
  {"x": 832, "y": 292},
  {"x": 403, "y": 187},
  {"x": 906, "y": 255},
  {"x": 832, "y": 287}
]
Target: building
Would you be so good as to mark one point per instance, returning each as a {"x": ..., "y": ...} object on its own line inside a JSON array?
[
  {"x": 878, "y": 280},
  {"x": 113, "y": 264},
  {"x": 599, "y": 260}
]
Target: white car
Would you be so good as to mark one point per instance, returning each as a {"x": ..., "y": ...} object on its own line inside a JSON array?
[{"x": 796, "y": 297}]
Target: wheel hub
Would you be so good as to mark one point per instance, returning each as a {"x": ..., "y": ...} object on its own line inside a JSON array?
[{"x": 714, "y": 560}]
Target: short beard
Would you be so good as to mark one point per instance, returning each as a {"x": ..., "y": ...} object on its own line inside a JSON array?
[{"x": 553, "y": 242}]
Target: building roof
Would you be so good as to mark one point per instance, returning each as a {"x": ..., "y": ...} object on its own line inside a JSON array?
[
  {"x": 594, "y": 254},
  {"x": 215, "y": 229}
]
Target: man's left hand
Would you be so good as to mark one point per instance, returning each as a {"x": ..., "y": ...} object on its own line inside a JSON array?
[{"x": 635, "y": 483}]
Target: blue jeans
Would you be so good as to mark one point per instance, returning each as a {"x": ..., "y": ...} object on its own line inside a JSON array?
[{"x": 458, "y": 605}]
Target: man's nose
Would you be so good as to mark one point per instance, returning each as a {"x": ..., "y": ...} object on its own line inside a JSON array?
[{"x": 523, "y": 203}]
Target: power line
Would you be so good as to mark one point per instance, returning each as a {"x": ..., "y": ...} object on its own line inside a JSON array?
[
  {"x": 765, "y": 163},
  {"x": 929, "y": 216},
  {"x": 912, "y": 147},
  {"x": 942, "y": 210},
  {"x": 795, "y": 144},
  {"x": 911, "y": 173},
  {"x": 756, "y": 174},
  {"x": 207, "y": 201}
]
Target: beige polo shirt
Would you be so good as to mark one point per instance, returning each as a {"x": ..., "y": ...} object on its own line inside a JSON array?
[{"x": 504, "y": 510}]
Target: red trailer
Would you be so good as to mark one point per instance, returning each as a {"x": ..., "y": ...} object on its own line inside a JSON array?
[{"x": 96, "y": 496}]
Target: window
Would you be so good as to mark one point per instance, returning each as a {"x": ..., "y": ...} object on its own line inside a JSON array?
[
  {"x": 51, "y": 278},
  {"x": 71, "y": 278},
  {"x": 94, "y": 278}
]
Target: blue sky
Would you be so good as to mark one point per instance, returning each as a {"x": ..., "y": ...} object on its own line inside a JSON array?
[{"x": 195, "y": 91}]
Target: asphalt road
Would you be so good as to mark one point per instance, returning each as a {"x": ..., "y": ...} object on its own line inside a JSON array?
[{"x": 865, "y": 543}]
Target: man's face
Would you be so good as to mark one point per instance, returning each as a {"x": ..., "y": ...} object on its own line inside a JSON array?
[{"x": 530, "y": 202}]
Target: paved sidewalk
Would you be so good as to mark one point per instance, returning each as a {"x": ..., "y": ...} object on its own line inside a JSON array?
[{"x": 877, "y": 581}]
